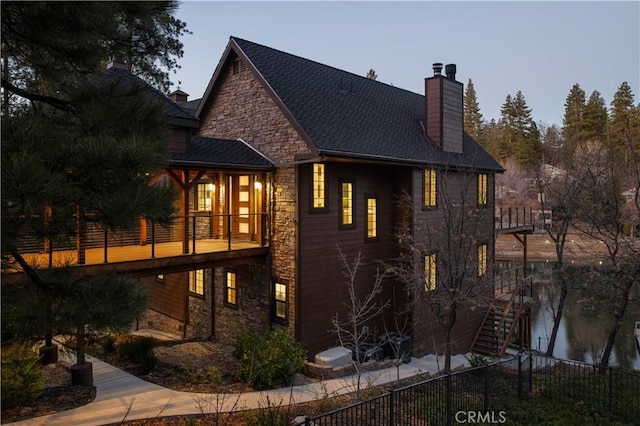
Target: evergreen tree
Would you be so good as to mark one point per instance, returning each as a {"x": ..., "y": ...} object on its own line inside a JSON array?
[
  {"x": 472, "y": 116},
  {"x": 624, "y": 126},
  {"x": 520, "y": 132},
  {"x": 81, "y": 145},
  {"x": 595, "y": 118},
  {"x": 573, "y": 125}
]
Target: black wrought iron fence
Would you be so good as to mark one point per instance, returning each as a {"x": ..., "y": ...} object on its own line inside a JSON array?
[{"x": 450, "y": 399}]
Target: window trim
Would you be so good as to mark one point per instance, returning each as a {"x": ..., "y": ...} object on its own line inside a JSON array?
[
  {"x": 376, "y": 237},
  {"x": 432, "y": 187},
  {"x": 226, "y": 299},
  {"x": 346, "y": 226},
  {"x": 193, "y": 278},
  {"x": 312, "y": 190},
  {"x": 284, "y": 302}
]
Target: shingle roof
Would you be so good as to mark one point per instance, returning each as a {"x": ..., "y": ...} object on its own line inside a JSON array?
[
  {"x": 225, "y": 153},
  {"x": 123, "y": 76},
  {"x": 347, "y": 115}
]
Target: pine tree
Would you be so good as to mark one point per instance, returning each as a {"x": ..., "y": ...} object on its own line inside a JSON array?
[
  {"x": 473, "y": 123},
  {"x": 624, "y": 128},
  {"x": 573, "y": 120},
  {"x": 519, "y": 131},
  {"x": 595, "y": 118}
]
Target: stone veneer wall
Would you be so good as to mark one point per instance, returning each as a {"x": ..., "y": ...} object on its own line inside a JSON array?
[
  {"x": 241, "y": 108},
  {"x": 252, "y": 295}
]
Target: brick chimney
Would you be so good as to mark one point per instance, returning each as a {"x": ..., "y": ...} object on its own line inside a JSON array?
[
  {"x": 444, "y": 109},
  {"x": 178, "y": 96}
]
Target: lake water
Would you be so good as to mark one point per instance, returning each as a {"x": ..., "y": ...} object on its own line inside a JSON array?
[{"x": 584, "y": 325}]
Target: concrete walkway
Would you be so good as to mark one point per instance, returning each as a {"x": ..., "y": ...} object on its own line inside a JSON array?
[{"x": 122, "y": 396}]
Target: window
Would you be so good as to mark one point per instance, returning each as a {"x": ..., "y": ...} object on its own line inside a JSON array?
[
  {"x": 230, "y": 295},
  {"x": 430, "y": 188},
  {"x": 430, "y": 272},
  {"x": 204, "y": 195},
  {"x": 319, "y": 180},
  {"x": 280, "y": 297},
  {"x": 372, "y": 217},
  {"x": 482, "y": 260},
  {"x": 346, "y": 195},
  {"x": 196, "y": 282},
  {"x": 482, "y": 189}
]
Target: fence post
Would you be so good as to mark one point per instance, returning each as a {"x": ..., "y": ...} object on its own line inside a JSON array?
[
  {"x": 519, "y": 376},
  {"x": 487, "y": 388},
  {"x": 448, "y": 398},
  {"x": 392, "y": 407},
  {"x": 610, "y": 387}
]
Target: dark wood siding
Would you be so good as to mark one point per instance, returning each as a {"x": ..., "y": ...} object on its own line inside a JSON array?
[
  {"x": 169, "y": 296},
  {"x": 322, "y": 286}
]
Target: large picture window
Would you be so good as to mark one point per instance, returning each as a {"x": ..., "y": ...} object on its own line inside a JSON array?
[{"x": 429, "y": 188}]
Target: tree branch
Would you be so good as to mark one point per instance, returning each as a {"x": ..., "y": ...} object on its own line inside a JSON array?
[{"x": 54, "y": 102}]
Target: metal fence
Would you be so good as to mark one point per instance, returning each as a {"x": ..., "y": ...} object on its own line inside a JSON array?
[{"x": 482, "y": 390}]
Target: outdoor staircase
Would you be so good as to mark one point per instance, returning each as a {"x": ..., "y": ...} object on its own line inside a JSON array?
[{"x": 500, "y": 324}]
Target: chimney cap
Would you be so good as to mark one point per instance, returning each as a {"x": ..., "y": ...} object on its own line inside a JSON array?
[
  {"x": 437, "y": 68},
  {"x": 451, "y": 70}
]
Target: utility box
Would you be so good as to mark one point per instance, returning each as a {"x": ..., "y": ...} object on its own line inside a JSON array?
[{"x": 334, "y": 357}]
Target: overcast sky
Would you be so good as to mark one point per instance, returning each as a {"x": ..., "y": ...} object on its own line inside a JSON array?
[{"x": 540, "y": 48}]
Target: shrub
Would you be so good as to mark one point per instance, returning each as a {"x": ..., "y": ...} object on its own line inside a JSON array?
[
  {"x": 22, "y": 378},
  {"x": 139, "y": 351},
  {"x": 477, "y": 360},
  {"x": 270, "y": 361}
]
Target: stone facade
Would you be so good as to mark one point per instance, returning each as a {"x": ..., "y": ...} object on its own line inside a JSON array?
[{"x": 240, "y": 108}]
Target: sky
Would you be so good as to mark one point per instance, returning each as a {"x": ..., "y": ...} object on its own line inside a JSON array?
[{"x": 539, "y": 48}]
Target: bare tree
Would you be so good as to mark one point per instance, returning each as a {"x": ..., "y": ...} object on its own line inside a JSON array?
[
  {"x": 446, "y": 254},
  {"x": 602, "y": 220},
  {"x": 559, "y": 193},
  {"x": 361, "y": 310}
]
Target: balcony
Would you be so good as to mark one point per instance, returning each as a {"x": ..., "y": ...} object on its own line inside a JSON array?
[
  {"x": 202, "y": 237},
  {"x": 513, "y": 220}
]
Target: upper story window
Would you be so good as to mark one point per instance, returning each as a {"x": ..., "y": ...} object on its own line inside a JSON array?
[
  {"x": 319, "y": 179},
  {"x": 372, "y": 217},
  {"x": 483, "y": 180},
  {"x": 196, "y": 282},
  {"x": 230, "y": 294},
  {"x": 347, "y": 220},
  {"x": 429, "y": 188},
  {"x": 482, "y": 259},
  {"x": 430, "y": 272}
]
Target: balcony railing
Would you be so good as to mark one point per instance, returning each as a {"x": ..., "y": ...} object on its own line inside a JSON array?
[
  {"x": 193, "y": 234},
  {"x": 510, "y": 218}
]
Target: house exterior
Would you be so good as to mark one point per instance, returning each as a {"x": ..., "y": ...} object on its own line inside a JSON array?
[{"x": 287, "y": 162}]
